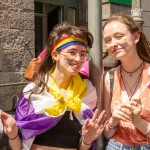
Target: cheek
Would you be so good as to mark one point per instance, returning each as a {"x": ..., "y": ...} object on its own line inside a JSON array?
[{"x": 107, "y": 47}]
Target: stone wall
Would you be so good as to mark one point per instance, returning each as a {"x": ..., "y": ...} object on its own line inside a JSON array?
[
  {"x": 16, "y": 46},
  {"x": 146, "y": 16}
]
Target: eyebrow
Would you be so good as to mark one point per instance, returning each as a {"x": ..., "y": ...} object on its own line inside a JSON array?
[{"x": 114, "y": 35}]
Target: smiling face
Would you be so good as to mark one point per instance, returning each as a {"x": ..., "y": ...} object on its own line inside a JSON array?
[
  {"x": 70, "y": 59},
  {"x": 119, "y": 41}
]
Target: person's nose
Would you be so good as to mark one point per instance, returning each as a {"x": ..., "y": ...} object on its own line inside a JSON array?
[
  {"x": 114, "y": 42},
  {"x": 78, "y": 57}
]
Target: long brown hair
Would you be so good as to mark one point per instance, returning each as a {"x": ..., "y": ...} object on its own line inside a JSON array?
[
  {"x": 59, "y": 31},
  {"x": 143, "y": 46}
]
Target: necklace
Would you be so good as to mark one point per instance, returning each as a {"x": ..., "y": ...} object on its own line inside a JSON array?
[
  {"x": 130, "y": 73},
  {"x": 135, "y": 85}
]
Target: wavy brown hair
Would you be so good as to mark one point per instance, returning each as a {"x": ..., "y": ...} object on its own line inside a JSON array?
[
  {"x": 58, "y": 32},
  {"x": 143, "y": 46}
]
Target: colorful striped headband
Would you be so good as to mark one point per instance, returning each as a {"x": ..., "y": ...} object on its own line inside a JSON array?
[{"x": 67, "y": 41}]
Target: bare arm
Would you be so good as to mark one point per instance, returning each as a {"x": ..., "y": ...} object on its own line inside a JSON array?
[
  {"x": 144, "y": 127},
  {"x": 108, "y": 133},
  {"x": 141, "y": 124},
  {"x": 10, "y": 128}
]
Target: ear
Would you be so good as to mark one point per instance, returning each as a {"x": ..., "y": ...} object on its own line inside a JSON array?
[
  {"x": 55, "y": 55},
  {"x": 137, "y": 37}
]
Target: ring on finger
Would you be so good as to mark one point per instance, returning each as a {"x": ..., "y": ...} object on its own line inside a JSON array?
[
  {"x": 95, "y": 120},
  {"x": 101, "y": 126}
]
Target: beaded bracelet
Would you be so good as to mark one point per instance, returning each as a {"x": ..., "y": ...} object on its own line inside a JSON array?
[
  {"x": 113, "y": 127},
  {"x": 14, "y": 137}
]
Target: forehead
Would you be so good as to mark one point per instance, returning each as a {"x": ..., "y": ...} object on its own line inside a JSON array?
[{"x": 114, "y": 27}]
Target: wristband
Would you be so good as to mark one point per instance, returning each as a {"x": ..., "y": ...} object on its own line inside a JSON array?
[
  {"x": 114, "y": 127},
  {"x": 14, "y": 137}
]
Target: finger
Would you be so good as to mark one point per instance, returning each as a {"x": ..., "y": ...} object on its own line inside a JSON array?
[
  {"x": 135, "y": 105},
  {"x": 4, "y": 115},
  {"x": 137, "y": 100},
  {"x": 126, "y": 111},
  {"x": 102, "y": 126},
  {"x": 102, "y": 117},
  {"x": 122, "y": 116},
  {"x": 94, "y": 118},
  {"x": 86, "y": 124},
  {"x": 129, "y": 106},
  {"x": 137, "y": 110}
]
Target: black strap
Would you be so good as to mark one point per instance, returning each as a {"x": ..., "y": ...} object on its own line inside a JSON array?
[{"x": 111, "y": 78}]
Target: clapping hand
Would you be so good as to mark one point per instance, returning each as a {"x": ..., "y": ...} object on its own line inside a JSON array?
[{"x": 127, "y": 112}]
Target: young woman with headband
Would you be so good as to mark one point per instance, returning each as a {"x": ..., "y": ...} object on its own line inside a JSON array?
[{"x": 57, "y": 110}]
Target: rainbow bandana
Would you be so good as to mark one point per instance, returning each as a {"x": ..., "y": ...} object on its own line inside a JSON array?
[{"x": 67, "y": 41}]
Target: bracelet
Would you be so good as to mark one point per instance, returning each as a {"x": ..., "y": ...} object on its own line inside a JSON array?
[
  {"x": 14, "y": 137},
  {"x": 114, "y": 127},
  {"x": 81, "y": 140},
  {"x": 86, "y": 143}
]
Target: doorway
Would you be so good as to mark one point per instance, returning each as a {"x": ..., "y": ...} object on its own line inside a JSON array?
[{"x": 46, "y": 17}]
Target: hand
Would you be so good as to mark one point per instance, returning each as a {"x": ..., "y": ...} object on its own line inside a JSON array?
[
  {"x": 122, "y": 112},
  {"x": 10, "y": 127},
  {"x": 93, "y": 128}
]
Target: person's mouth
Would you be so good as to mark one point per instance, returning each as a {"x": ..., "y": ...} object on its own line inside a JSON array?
[
  {"x": 115, "y": 50},
  {"x": 76, "y": 67}
]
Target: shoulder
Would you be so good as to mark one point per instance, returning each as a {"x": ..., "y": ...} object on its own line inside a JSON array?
[
  {"x": 109, "y": 77},
  {"x": 89, "y": 84},
  {"x": 91, "y": 89},
  {"x": 148, "y": 67}
]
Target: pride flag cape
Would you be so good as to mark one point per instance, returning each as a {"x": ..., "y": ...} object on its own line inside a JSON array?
[{"x": 33, "y": 120}]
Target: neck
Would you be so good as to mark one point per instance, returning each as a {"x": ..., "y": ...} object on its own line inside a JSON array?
[
  {"x": 61, "y": 79},
  {"x": 132, "y": 65}
]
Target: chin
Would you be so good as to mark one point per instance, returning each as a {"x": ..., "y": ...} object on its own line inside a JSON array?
[
  {"x": 74, "y": 72},
  {"x": 119, "y": 56}
]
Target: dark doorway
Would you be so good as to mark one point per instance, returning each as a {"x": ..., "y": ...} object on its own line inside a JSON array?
[
  {"x": 53, "y": 18},
  {"x": 46, "y": 17}
]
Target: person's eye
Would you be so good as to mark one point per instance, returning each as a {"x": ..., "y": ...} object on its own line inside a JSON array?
[
  {"x": 83, "y": 54},
  {"x": 72, "y": 53},
  {"x": 107, "y": 41},
  {"x": 119, "y": 37}
]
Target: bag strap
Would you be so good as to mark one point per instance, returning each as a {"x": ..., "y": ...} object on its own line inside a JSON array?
[{"x": 111, "y": 79}]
